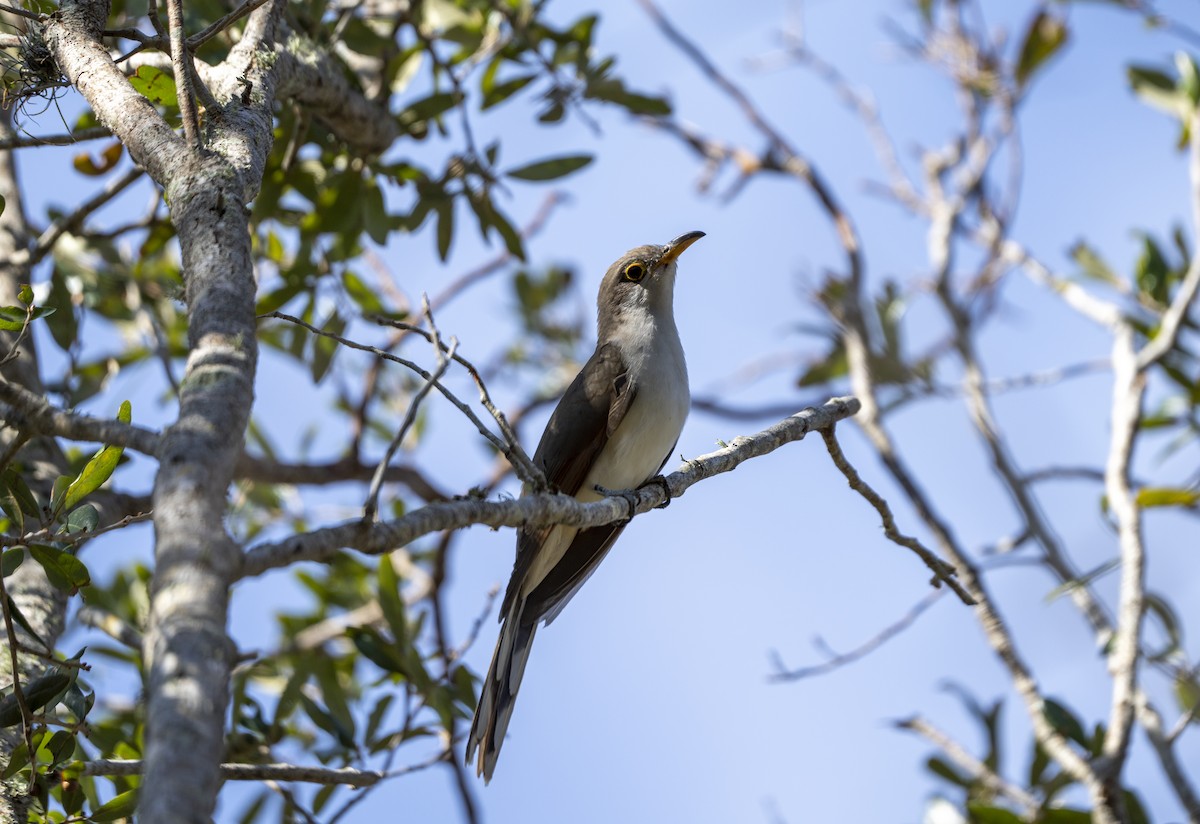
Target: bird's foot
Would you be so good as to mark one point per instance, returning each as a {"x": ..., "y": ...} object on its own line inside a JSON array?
[
  {"x": 629, "y": 495},
  {"x": 660, "y": 481}
]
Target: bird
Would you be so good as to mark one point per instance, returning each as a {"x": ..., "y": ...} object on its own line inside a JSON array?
[{"x": 613, "y": 429}]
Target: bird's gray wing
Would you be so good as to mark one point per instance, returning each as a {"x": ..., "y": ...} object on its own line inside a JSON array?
[{"x": 591, "y": 410}]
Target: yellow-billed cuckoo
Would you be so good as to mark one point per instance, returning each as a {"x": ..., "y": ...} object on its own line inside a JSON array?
[{"x": 615, "y": 428}]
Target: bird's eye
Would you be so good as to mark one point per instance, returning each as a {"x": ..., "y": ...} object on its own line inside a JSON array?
[{"x": 635, "y": 271}]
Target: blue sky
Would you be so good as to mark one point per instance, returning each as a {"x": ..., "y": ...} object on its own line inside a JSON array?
[{"x": 648, "y": 699}]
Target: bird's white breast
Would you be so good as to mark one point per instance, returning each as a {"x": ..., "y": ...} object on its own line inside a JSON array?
[{"x": 652, "y": 424}]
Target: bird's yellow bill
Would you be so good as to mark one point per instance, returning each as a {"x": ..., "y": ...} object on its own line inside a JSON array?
[{"x": 675, "y": 247}]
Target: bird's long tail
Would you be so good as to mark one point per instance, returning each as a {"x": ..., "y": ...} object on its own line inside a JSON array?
[{"x": 500, "y": 690}]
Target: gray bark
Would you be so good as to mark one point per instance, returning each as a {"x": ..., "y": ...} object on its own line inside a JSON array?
[
  {"x": 42, "y": 605},
  {"x": 187, "y": 649}
]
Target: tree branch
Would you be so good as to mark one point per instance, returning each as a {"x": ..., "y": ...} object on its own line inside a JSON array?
[
  {"x": 973, "y": 766},
  {"x": 539, "y": 509},
  {"x": 248, "y": 772},
  {"x": 782, "y": 673},
  {"x": 942, "y": 571}
]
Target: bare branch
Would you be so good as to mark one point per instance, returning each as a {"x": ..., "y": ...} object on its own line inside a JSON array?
[
  {"x": 942, "y": 572},
  {"x": 110, "y": 625},
  {"x": 74, "y": 221},
  {"x": 250, "y": 772},
  {"x": 200, "y": 38},
  {"x": 537, "y": 509},
  {"x": 32, "y": 413},
  {"x": 1164, "y": 748},
  {"x": 265, "y": 470},
  {"x": 1185, "y": 295},
  {"x": 180, "y": 58},
  {"x": 22, "y": 141},
  {"x": 10, "y": 632},
  {"x": 507, "y": 445},
  {"x": 782, "y": 673},
  {"x": 410, "y": 415},
  {"x": 975, "y": 768}
]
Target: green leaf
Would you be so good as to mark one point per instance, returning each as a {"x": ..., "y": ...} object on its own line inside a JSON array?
[
  {"x": 391, "y": 602},
  {"x": 1189, "y": 77},
  {"x": 834, "y": 366},
  {"x": 335, "y": 700},
  {"x": 20, "y": 620},
  {"x": 362, "y": 294},
  {"x": 17, "y": 761},
  {"x": 324, "y": 348},
  {"x": 156, "y": 85},
  {"x": 377, "y": 649},
  {"x": 116, "y": 808},
  {"x": 65, "y": 571},
  {"x": 12, "y": 481},
  {"x": 1152, "y": 272},
  {"x": 550, "y": 169},
  {"x": 1044, "y": 37},
  {"x": 426, "y": 109},
  {"x": 1065, "y": 815},
  {"x": 98, "y": 470},
  {"x": 942, "y": 769},
  {"x": 37, "y": 693},
  {"x": 14, "y": 318},
  {"x": 63, "y": 325},
  {"x": 325, "y": 720},
  {"x": 1064, "y": 722},
  {"x": 445, "y": 227},
  {"x": 25, "y": 294},
  {"x": 986, "y": 814},
  {"x": 11, "y": 508},
  {"x": 376, "y": 220},
  {"x": 82, "y": 519},
  {"x": 1153, "y": 496},
  {"x": 59, "y": 747},
  {"x": 11, "y": 559},
  {"x": 1092, "y": 265},
  {"x": 500, "y": 92},
  {"x": 1157, "y": 89},
  {"x": 1187, "y": 695},
  {"x": 1083, "y": 580},
  {"x": 614, "y": 91},
  {"x": 79, "y": 703},
  {"x": 1166, "y": 616}
]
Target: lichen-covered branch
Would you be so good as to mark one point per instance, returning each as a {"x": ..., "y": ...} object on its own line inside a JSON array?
[{"x": 541, "y": 509}]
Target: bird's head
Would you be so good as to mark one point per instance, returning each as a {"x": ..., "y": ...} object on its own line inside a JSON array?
[{"x": 642, "y": 281}]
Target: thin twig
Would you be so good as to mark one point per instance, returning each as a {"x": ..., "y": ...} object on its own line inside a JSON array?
[
  {"x": 782, "y": 673},
  {"x": 1173, "y": 318},
  {"x": 23, "y": 141},
  {"x": 46, "y": 240},
  {"x": 1164, "y": 748},
  {"x": 942, "y": 571},
  {"x": 247, "y": 772},
  {"x": 539, "y": 509},
  {"x": 410, "y": 416},
  {"x": 511, "y": 449},
  {"x": 974, "y": 767},
  {"x": 180, "y": 58},
  {"x": 26, "y": 714},
  {"x": 28, "y": 15},
  {"x": 204, "y": 35},
  {"x": 110, "y": 625}
]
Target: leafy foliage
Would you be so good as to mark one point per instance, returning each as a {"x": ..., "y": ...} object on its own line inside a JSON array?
[{"x": 383, "y": 682}]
